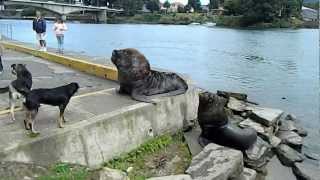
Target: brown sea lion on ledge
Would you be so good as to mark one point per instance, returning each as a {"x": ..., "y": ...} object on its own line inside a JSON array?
[{"x": 138, "y": 80}]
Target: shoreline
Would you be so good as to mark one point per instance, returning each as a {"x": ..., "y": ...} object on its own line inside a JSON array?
[{"x": 186, "y": 19}]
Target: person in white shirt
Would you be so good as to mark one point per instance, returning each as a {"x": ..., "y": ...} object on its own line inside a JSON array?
[{"x": 59, "y": 28}]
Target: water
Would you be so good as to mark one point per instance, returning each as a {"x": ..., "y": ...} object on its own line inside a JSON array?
[{"x": 265, "y": 64}]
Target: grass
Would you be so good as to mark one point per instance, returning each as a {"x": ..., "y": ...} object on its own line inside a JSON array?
[
  {"x": 166, "y": 153},
  {"x": 153, "y": 156},
  {"x": 63, "y": 171}
]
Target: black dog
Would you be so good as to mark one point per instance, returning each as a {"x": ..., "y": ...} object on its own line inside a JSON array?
[
  {"x": 59, "y": 96},
  {"x": 18, "y": 88}
]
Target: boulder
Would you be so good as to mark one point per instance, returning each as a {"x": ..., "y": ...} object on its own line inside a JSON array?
[
  {"x": 239, "y": 96},
  {"x": 290, "y": 138},
  {"x": 265, "y": 116},
  {"x": 19, "y": 170},
  {"x": 256, "y": 156},
  {"x": 236, "y": 105},
  {"x": 216, "y": 163},
  {"x": 287, "y": 155},
  {"x": 306, "y": 171},
  {"x": 247, "y": 174},
  {"x": 109, "y": 174},
  {"x": 289, "y": 125},
  {"x": 173, "y": 177},
  {"x": 266, "y": 132}
]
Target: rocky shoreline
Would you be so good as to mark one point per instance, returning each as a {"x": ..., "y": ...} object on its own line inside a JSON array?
[{"x": 276, "y": 154}]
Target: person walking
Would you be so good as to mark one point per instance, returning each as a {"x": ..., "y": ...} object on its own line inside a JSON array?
[
  {"x": 1, "y": 53},
  {"x": 59, "y": 28},
  {"x": 39, "y": 26}
]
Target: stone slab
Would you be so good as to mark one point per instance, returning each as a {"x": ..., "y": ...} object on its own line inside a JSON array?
[{"x": 216, "y": 163}]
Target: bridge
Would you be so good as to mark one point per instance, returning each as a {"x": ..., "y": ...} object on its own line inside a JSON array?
[{"x": 64, "y": 9}]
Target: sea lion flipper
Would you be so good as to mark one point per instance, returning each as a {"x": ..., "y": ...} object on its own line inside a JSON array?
[{"x": 142, "y": 98}]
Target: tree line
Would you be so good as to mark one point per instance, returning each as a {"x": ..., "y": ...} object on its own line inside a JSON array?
[{"x": 254, "y": 11}]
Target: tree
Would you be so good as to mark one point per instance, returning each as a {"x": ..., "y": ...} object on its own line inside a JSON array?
[
  {"x": 153, "y": 5},
  {"x": 166, "y": 4},
  {"x": 130, "y": 7},
  {"x": 214, "y": 4},
  {"x": 195, "y": 4}
]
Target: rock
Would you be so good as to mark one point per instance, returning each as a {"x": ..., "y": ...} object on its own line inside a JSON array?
[
  {"x": 235, "y": 119},
  {"x": 266, "y": 132},
  {"x": 277, "y": 171},
  {"x": 290, "y": 138},
  {"x": 236, "y": 105},
  {"x": 239, "y": 96},
  {"x": 191, "y": 138},
  {"x": 19, "y": 170},
  {"x": 288, "y": 125},
  {"x": 247, "y": 174},
  {"x": 256, "y": 156},
  {"x": 265, "y": 116},
  {"x": 109, "y": 174},
  {"x": 173, "y": 177},
  {"x": 216, "y": 163},
  {"x": 274, "y": 141},
  {"x": 291, "y": 117},
  {"x": 306, "y": 171},
  {"x": 287, "y": 155}
]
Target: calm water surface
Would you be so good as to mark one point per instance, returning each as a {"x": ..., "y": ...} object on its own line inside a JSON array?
[{"x": 265, "y": 64}]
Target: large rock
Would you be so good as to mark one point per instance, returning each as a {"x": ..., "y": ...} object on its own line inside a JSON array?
[
  {"x": 239, "y": 96},
  {"x": 256, "y": 156},
  {"x": 237, "y": 105},
  {"x": 173, "y": 177},
  {"x": 289, "y": 125},
  {"x": 265, "y": 116},
  {"x": 261, "y": 129},
  {"x": 287, "y": 155},
  {"x": 306, "y": 171},
  {"x": 17, "y": 170},
  {"x": 291, "y": 138},
  {"x": 247, "y": 174},
  {"x": 216, "y": 163},
  {"x": 109, "y": 174}
]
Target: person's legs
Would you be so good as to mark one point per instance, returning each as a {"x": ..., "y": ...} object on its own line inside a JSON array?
[
  {"x": 44, "y": 45},
  {"x": 38, "y": 37},
  {"x": 1, "y": 67},
  {"x": 62, "y": 43},
  {"x": 58, "y": 39}
]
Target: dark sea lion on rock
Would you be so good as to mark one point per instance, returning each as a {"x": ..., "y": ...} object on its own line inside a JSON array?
[
  {"x": 213, "y": 121},
  {"x": 138, "y": 80}
]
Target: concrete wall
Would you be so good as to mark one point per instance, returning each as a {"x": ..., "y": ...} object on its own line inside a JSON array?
[{"x": 94, "y": 141}]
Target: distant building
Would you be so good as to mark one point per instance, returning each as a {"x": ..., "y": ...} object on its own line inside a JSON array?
[
  {"x": 205, "y": 8},
  {"x": 309, "y": 14},
  {"x": 175, "y": 6}
]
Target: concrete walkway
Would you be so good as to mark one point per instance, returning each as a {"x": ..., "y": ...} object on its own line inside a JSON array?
[{"x": 100, "y": 123}]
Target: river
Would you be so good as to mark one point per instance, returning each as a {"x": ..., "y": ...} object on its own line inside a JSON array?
[{"x": 266, "y": 64}]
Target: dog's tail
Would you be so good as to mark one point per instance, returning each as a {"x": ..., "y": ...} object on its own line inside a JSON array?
[{"x": 4, "y": 90}]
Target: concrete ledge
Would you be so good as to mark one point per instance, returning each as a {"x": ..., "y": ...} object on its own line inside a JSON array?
[
  {"x": 97, "y": 139},
  {"x": 107, "y": 72}
]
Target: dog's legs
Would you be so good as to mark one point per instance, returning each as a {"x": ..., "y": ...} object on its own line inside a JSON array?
[
  {"x": 11, "y": 103},
  {"x": 32, "y": 118},
  {"x": 62, "y": 108},
  {"x": 27, "y": 120}
]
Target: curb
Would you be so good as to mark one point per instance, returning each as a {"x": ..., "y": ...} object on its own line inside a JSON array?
[{"x": 106, "y": 72}]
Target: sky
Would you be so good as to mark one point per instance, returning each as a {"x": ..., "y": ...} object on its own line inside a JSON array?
[{"x": 203, "y": 2}]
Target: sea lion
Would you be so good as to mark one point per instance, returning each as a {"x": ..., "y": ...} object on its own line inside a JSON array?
[
  {"x": 214, "y": 125},
  {"x": 138, "y": 80}
]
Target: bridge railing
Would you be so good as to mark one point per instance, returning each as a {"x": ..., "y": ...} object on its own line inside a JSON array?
[{"x": 6, "y": 31}]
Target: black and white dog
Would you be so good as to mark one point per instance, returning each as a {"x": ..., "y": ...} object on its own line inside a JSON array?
[
  {"x": 19, "y": 88},
  {"x": 59, "y": 96}
]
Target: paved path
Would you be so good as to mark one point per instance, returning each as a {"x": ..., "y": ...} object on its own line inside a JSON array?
[{"x": 96, "y": 96}]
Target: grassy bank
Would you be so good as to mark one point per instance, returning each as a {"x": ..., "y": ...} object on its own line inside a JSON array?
[
  {"x": 239, "y": 21},
  {"x": 155, "y": 18},
  {"x": 163, "y": 155}
]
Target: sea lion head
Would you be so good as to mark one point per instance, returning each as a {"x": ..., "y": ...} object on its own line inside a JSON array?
[
  {"x": 18, "y": 68},
  {"x": 131, "y": 64}
]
